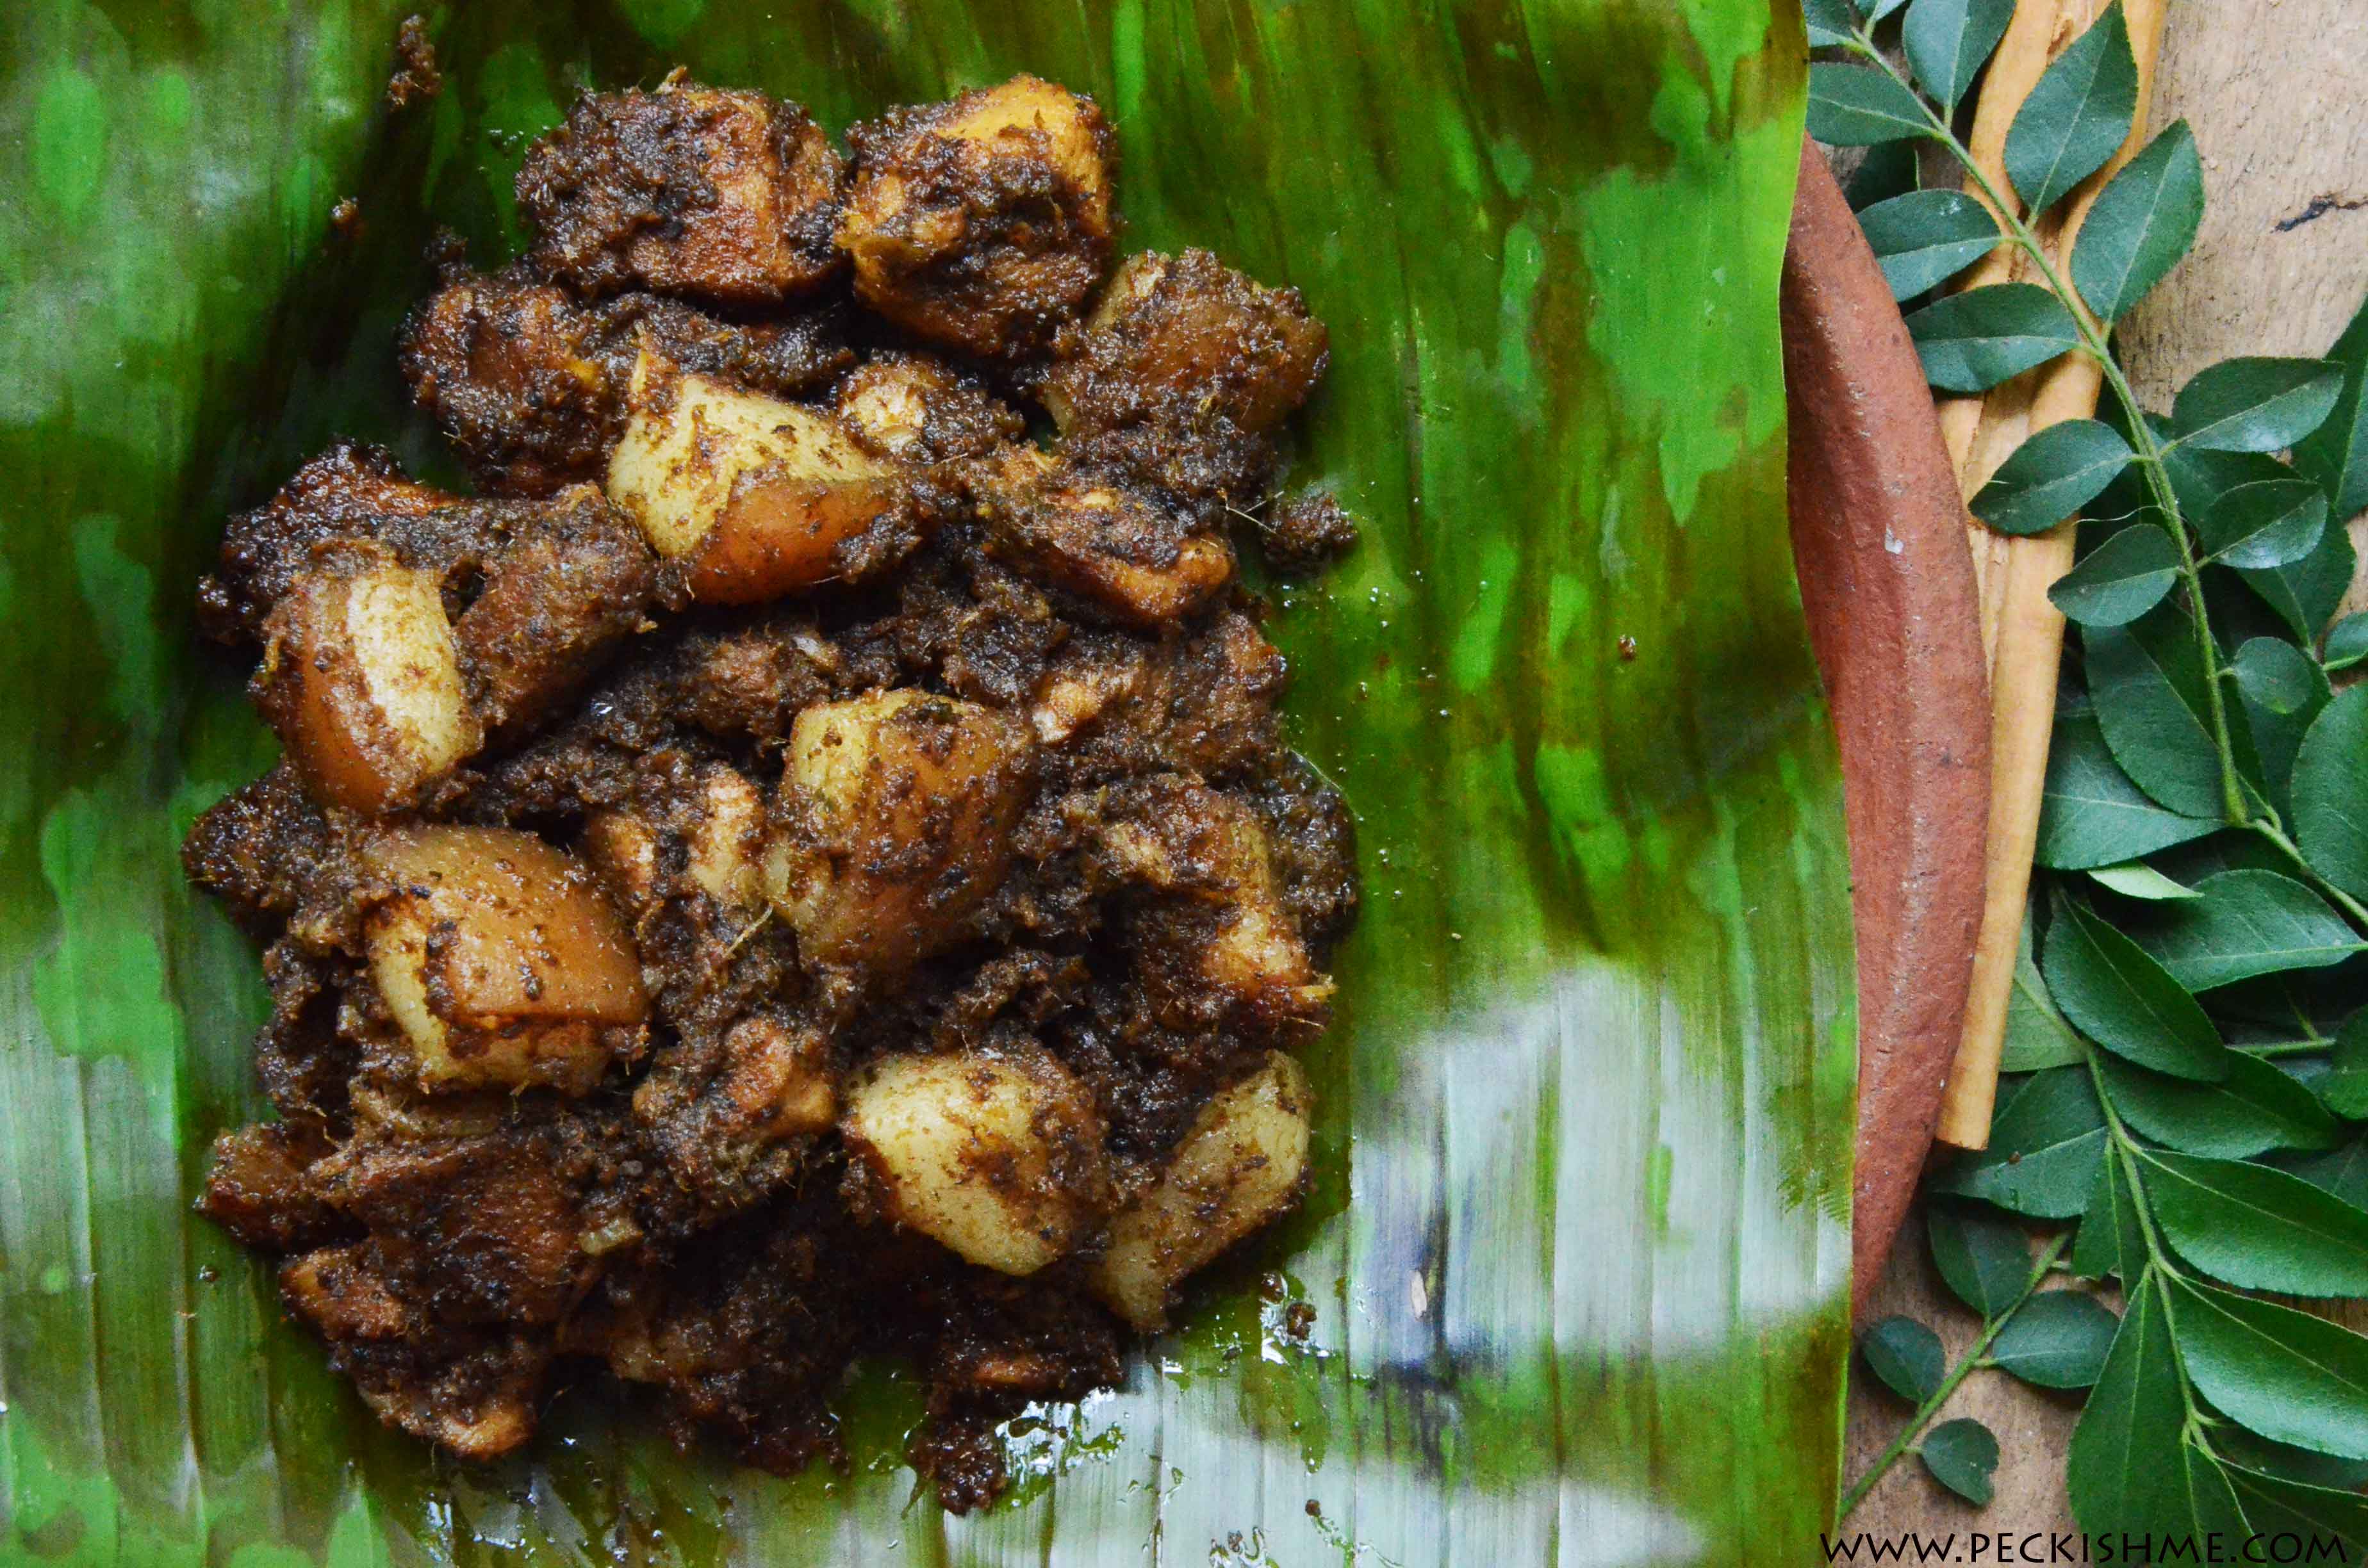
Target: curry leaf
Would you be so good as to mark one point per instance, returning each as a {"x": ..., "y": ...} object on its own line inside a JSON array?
[
  {"x": 2058, "y": 1340},
  {"x": 1883, "y": 172},
  {"x": 2257, "y": 1227},
  {"x": 1857, "y": 106},
  {"x": 2341, "y": 1172},
  {"x": 2135, "y": 878},
  {"x": 2090, "y": 814},
  {"x": 2283, "y": 690},
  {"x": 2347, "y": 644},
  {"x": 2109, "y": 1240},
  {"x": 2115, "y": 993},
  {"x": 1970, "y": 342},
  {"x": 1961, "y": 1455},
  {"x": 2345, "y": 1088},
  {"x": 2335, "y": 456},
  {"x": 1946, "y": 42},
  {"x": 2278, "y": 1507},
  {"x": 2050, "y": 476},
  {"x": 2120, "y": 580},
  {"x": 2253, "y": 1110},
  {"x": 2330, "y": 792},
  {"x": 2248, "y": 922},
  {"x": 2140, "y": 224},
  {"x": 1829, "y": 22},
  {"x": 1927, "y": 237},
  {"x": 2076, "y": 116},
  {"x": 2036, "y": 1034},
  {"x": 2285, "y": 1374},
  {"x": 1906, "y": 1356},
  {"x": 2255, "y": 405},
  {"x": 2129, "y": 1470},
  {"x": 2045, "y": 1143},
  {"x": 2148, "y": 685},
  {"x": 2267, "y": 523},
  {"x": 1984, "y": 1259},
  {"x": 2306, "y": 592}
]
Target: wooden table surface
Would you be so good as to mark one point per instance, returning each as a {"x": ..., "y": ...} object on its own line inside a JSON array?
[{"x": 2274, "y": 90}]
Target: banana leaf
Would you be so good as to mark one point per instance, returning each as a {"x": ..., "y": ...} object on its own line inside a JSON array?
[{"x": 1579, "y": 1247}]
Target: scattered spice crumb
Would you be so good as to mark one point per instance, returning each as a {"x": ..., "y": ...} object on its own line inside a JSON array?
[
  {"x": 417, "y": 78},
  {"x": 1628, "y": 650},
  {"x": 1314, "y": 1509},
  {"x": 346, "y": 218},
  {"x": 1298, "y": 1319},
  {"x": 1308, "y": 530}
]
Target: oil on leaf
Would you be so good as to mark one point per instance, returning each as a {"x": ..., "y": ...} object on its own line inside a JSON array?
[
  {"x": 1926, "y": 237},
  {"x": 1970, "y": 342},
  {"x": 2058, "y": 1340},
  {"x": 2076, "y": 116},
  {"x": 2330, "y": 792},
  {"x": 1984, "y": 1259},
  {"x": 2050, "y": 476},
  {"x": 2254, "y": 1109},
  {"x": 2120, "y": 580},
  {"x": 2092, "y": 814},
  {"x": 2246, "y": 923},
  {"x": 1961, "y": 1455},
  {"x": 2255, "y": 404},
  {"x": 2129, "y": 1470},
  {"x": 2046, "y": 1141},
  {"x": 2257, "y": 1227},
  {"x": 2287, "y": 1375},
  {"x": 2115, "y": 993},
  {"x": 2140, "y": 224}
]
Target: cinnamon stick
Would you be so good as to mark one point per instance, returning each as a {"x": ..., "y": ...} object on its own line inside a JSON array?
[{"x": 2023, "y": 632}]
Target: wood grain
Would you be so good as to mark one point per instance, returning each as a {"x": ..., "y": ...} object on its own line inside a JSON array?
[
  {"x": 2271, "y": 88},
  {"x": 2023, "y": 631}
]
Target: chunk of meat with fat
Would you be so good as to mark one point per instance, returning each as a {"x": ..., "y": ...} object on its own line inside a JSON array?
[
  {"x": 1186, "y": 340},
  {"x": 996, "y": 1155},
  {"x": 1238, "y": 1167},
  {"x": 755, "y": 497},
  {"x": 499, "y": 960},
  {"x": 902, "y": 805},
  {"x": 532, "y": 386},
  {"x": 715, "y": 195},
  {"x": 1135, "y": 563},
  {"x": 984, "y": 222}
]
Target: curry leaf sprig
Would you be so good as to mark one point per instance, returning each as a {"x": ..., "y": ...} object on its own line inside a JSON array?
[{"x": 2188, "y": 1048}]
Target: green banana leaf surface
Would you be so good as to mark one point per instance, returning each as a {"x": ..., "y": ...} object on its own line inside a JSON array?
[{"x": 1578, "y": 1244}]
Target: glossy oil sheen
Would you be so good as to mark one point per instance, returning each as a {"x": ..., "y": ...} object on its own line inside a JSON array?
[{"x": 1578, "y": 1248}]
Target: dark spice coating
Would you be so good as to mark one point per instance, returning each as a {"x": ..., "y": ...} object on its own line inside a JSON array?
[
  {"x": 728, "y": 196},
  {"x": 529, "y": 385},
  {"x": 701, "y": 1220},
  {"x": 981, "y": 224}
]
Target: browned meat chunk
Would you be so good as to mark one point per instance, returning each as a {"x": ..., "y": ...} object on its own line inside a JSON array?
[
  {"x": 689, "y": 190},
  {"x": 531, "y": 386},
  {"x": 984, "y": 222},
  {"x": 806, "y": 865}
]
